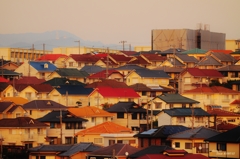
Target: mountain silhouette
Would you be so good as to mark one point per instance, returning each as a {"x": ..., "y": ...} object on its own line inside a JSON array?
[{"x": 51, "y": 39}]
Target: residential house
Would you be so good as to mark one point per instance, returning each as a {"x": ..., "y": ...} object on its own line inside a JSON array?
[
  {"x": 80, "y": 60},
  {"x": 158, "y": 136},
  {"x": 192, "y": 140},
  {"x": 126, "y": 69},
  {"x": 26, "y": 80},
  {"x": 8, "y": 65},
  {"x": 39, "y": 108},
  {"x": 11, "y": 110},
  {"x": 3, "y": 86},
  {"x": 223, "y": 116},
  {"x": 62, "y": 126},
  {"x": 73, "y": 151},
  {"x": 147, "y": 93},
  {"x": 71, "y": 95},
  {"x": 93, "y": 114},
  {"x": 57, "y": 59},
  {"x": 38, "y": 69},
  {"x": 199, "y": 54},
  {"x": 171, "y": 52},
  {"x": 172, "y": 62},
  {"x": 22, "y": 131},
  {"x": 102, "y": 95},
  {"x": 225, "y": 145},
  {"x": 172, "y": 100},
  {"x": 176, "y": 154},
  {"x": 106, "y": 134},
  {"x": 189, "y": 117},
  {"x": 106, "y": 61},
  {"x": 188, "y": 61},
  {"x": 120, "y": 59},
  {"x": 28, "y": 91},
  {"x": 107, "y": 83},
  {"x": 151, "y": 149},
  {"x": 230, "y": 72},
  {"x": 9, "y": 75},
  {"x": 69, "y": 73},
  {"x": 106, "y": 74},
  {"x": 140, "y": 61},
  {"x": 131, "y": 115},
  {"x": 155, "y": 59},
  {"x": 209, "y": 62},
  {"x": 117, "y": 151},
  {"x": 215, "y": 95},
  {"x": 191, "y": 78},
  {"x": 235, "y": 106},
  {"x": 148, "y": 77}
]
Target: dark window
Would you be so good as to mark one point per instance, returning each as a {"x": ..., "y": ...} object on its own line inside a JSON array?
[
  {"x": 120, "y": 115},
  {"x": 221, "y": 146},
  {"x": 52, "y": 125},
  {"x": 111, "y": 142},
  {"x": 188, "y": 145},
  {"x": 134, "y": 115},
  {"x": 144, "y": 93},
  {"x": 183, "y": 105},
  {"x": 177, "y": 144},
  {"x": 153, "y": 94}
]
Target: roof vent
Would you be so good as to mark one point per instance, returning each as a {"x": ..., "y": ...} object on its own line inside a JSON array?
[
  {"x": 45, "y": 65},
  {"x": 49, "y": 103}
]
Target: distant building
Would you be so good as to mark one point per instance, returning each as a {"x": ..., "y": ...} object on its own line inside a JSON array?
[
  {"x": 187, "y": 39},
  {"x": 20, "y": 55},
  {"x": 233, "y": 44}
]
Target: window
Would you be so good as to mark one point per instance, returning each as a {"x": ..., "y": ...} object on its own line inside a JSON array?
[
  {"x": 18, "y": 115},
  {"x": 152, "y": 94},
  {"x": 28, "y": 95},
  {"x": 40, "y": 157},
  {"x": 177, "y": 144},
  {"x": 111, "y": 142},
  {"x": 120, "y": 115},
  {"x": 97, "y": 140},
  {"x": 188, "y": 145},
  {"x": 199, "y": 120},
  {"x": 144, "y": 93},
  {"x": 171, "y": 105},
  {"x": 40, "y": 131},
  {"x": 52, "y": 125},
  {"x": 158, "y": 105},
  {"x": 183, "y": 105},
  {"x": 221, "y": 146},
  {"x": 68, "y": 140},
  {"x": 134, "y": 115},
  {"x": 187, "y": 80},
  {"x": 70, "y": 64},
  {"x": 181, "y": 119},
  {"x": 231, "y": 120}
]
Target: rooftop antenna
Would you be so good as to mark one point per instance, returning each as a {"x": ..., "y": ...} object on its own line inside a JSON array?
[{"x": 123, "y": 42}]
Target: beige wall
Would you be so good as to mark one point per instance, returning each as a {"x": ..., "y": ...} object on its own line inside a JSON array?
[
  {"x": 83, "y": 50},
  {"x": 233, "y": 150},
  {"x": 232, "y": 44}
]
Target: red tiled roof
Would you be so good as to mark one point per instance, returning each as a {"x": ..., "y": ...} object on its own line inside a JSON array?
[
  {"x": 117, "y": 92},
  {"x": 196, "y": 72},
  {"x": 102, "y": 74},
  {"x": 220, "y": 112},
  {"x": 3, "y": 80},
  {"x": 85, "y": 58},
  {"x": 120, "y": 58},
  {"x": 222, "y": 51},
  {"x": 165, "y": 156},
  {"x": 101, "y": 55},
  {"x": 213, "y": 89},
  {"x": 37, "y": 87},
  {"x": 50, "y": 57},
  {"x": 155, "y": 57},
  {"x": 139, "y": 60},
  {"x": 110, "y": 61},
  {"x": 224, "y": 126},
  {"x": 235, "y": 102},
  {"x": 28, "y": 80},
  {"x": 106, "y": 127}
]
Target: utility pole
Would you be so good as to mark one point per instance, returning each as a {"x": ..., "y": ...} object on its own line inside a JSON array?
[
  {"x": 78, "y": 46},
  {"x": 60, "y": 126},
  {"x": 123, "y": 42},
  {"x": 2, "y": 66},
  {"x": 43, "y": 49},
  {"x": 107, "y": 63}
]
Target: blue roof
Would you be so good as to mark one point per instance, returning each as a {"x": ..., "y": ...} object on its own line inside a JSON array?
[
  {"x": 74, "y": 89},
  {"x": 49, "y": 67}
]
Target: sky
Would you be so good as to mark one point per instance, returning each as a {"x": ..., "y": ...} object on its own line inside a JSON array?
[{"x": 112, "y": 21}]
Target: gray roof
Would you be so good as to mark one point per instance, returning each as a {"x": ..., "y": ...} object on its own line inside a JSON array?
[
  {"x": 91, "y": 69},
  {"x": 176, "y": 98},
  {"x": 196, "y": 133},
  {"x": 229, "y": 68},
  {"x": 67, "y": 150},
  {"x": 186, "y": 58},
  {"x": 152, "y": 73},
  {"x": 175, "y": 62},
  {"x": 170, "y": 69},
  {"x": 195, "y": 51},
  {"x": 224, "y": 57},
  {"x": 129, "y": 67},
  {"x": 181, "y": 112},
  {"x": 43, "y": 104},
  {"x": 71, "y": 72},
  {"x": 209, "y": 60},
  {"x": 57, "y": 81}
]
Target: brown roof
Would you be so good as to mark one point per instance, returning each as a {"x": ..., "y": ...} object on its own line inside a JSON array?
[
  {"x": 120, "y": 58},
  {"x": 155, "y": 57},
  {"x": 4, "y": 105},
  {"x": 224, "y": 126},
  {"x": 21, "y": 122},
  {"x": 139, "y": 60},
  {"x": 220, "y": 112},
  {"x": 28, "y": 80},
  {"x": 89, "y": 58}
]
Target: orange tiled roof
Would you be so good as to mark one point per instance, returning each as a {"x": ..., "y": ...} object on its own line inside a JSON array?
[
  {"x": 235, "y": 102},
  {"x": 16, "y": 100},
  {"x": 220, "y": 112},
  {"x": 50, "y": 57},
  {"x": 106, "y": 127},
  {"x": 222, "y": 51},
  {"x": 89, "y": 111},
  {"x": 214, "y": 89}
]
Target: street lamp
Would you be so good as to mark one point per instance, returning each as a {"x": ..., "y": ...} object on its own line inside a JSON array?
[{"x": 78, "y": 46}]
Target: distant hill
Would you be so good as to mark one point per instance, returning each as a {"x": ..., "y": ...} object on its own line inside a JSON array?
[{"x": 51, "y": 39}]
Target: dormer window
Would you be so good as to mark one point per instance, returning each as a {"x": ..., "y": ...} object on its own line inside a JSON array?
[{"x": 45, "y": 65}]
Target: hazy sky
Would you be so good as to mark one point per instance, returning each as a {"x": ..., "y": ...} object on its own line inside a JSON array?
[{"x": 111, "y": 21}]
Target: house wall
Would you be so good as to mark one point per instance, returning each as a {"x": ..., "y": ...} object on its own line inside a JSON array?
[
  {"x": 164, "y": 119},
  {"x": 60, "y": 62},
  {"x": 18, "y": 135},
  {"x": 27, "y": 70},
  {"x": 124, "y": 138},
  {"x": 95, "y": 138},
  {"x": 232, "y": 44},
  {"x": 232, "y": 151},
  {"x": 93, "y": 121}
]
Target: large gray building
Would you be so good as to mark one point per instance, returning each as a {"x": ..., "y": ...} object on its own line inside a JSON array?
[{"x": 187, "y": 39}]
